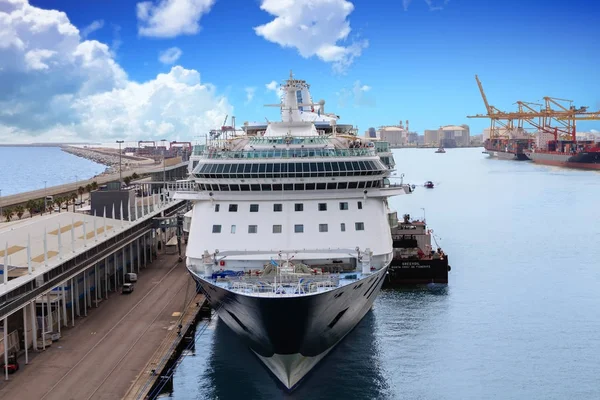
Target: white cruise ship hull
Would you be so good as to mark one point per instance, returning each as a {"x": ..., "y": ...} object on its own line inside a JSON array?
[{"x": 290, "y": 335}]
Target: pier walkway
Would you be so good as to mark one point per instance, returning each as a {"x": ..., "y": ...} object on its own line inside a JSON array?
[{"x": 103, "y": 354}]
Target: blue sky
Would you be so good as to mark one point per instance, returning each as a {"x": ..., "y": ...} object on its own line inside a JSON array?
[{"x": 412, "y": 60}]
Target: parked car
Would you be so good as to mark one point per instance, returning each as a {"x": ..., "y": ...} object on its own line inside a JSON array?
[{"x": 127, "y": 288}]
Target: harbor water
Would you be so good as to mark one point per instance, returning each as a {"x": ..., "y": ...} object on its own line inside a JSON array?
[
  {"x": 519, "y": 319},
  {"x": 23, "y": 168}
]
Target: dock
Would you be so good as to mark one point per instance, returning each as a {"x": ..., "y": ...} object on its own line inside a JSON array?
[
  {"x": 109, "y": 347},
  {"x": 152, "y": 377}
]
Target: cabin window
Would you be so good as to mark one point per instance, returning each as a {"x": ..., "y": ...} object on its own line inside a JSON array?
[
  {"x": 232, "y": 228},
  {"x": 253, "y": 207},
  {"x": 277, "y": 207},
  {"x": 359, "y": 226},
  {"x": 322, "y": 206},
  {"x": 360, "y": 205},
  {"x": 252, "y": 228},
  {"x": 216, "y": 229},
  {"x": 343, "y": 205},
  {"x": 276, "y": 228},
  {"x": 343, "y": 227},
  {"x": 298, "y": 228},
  {"x": 233, "y": 208},
  {"x": 298, "y": 207},
  {"x": 322, "y": 227},
  {"x": 217, "y": 207}
]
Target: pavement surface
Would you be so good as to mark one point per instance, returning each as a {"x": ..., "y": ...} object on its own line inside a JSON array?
[{"x": 103, "y": 354}]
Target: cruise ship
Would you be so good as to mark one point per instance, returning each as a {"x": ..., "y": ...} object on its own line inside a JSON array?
[{"x": 289, "y": 237}]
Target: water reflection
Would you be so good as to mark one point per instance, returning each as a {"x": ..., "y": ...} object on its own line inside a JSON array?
[{"x": 351, "y": 370}]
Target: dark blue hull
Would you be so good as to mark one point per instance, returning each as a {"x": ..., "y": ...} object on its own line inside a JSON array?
[{"x": 291, "y": 334}]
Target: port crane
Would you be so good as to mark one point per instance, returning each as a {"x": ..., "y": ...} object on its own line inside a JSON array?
[
  {"x": 146, "y": 141},
  {"x": 554, "y": 111}
]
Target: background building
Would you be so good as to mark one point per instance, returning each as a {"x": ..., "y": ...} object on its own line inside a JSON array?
[
  {"x": 431, "y": 137},
  {"x": 455, "y": 136}
]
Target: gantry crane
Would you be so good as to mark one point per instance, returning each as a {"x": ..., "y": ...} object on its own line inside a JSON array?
[{"x": 565, "y": 116}]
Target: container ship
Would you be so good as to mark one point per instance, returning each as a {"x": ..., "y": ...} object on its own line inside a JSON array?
[
  {"x": 508, "y": 149},
  {"x": 583, "y": 154}
]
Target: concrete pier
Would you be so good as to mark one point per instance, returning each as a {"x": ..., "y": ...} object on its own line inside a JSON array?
[{"x": 104, "y": 352}]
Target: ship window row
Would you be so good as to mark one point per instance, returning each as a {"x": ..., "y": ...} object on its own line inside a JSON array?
[
  {"x": 278, "y": 207},
  {"x": 298, "y": 228},
  {"x": 289, "y": 170},
  {"x": 267, "y": 187}
]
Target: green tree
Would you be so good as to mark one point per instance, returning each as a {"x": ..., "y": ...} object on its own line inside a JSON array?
[
  {"x": 127, "y": 180},
  {"x": 8, "y": 213},
  {"x": 40, "y": 206},
  {"x": 73, "y": 198},
  {"x": 81, "y": 191},
  {"x": 31, "y": 206},
  {"x": 135, "y": 176},
  {"x": 94, "y": 185},
  {"x": 58, "y": 202},
  {"x": 20, "y": 210}
]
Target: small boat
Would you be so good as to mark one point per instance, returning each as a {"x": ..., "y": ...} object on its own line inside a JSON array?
[
  {"x": 440, "y": 149},
  {"x": 428, "y": 185}
]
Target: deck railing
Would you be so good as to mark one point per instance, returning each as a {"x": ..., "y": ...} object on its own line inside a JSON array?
[{"x": 291, "y": 153}]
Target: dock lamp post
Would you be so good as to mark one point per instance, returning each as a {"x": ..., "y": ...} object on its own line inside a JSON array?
[
  {"x": 45, "y": 198},
  {"x": 164, "y": 170},
  {"x": 120, "y": 174}
]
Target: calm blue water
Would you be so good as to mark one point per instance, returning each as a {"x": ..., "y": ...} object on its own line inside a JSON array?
[
  {"x": 519, "y": 320},
  {"x": 26, "y": 168}
]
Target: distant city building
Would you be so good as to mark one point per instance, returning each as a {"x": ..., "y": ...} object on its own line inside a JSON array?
[
  {"x": 371, "y": 132},
  {"x": 431, "y": 137},
  {"x": 448, "y": 136},
  {"x": 396, "y": 136},
  {"x": 455, "y": 136},
  {"x": 412, "y": 138},
  {"x": 477, "y": 140}
]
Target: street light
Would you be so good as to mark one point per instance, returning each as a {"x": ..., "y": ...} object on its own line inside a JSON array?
[
  {"x": 164, "y": 169},
  {"x": 45, "y": 197},
  {"x": 0, "y": 203},
  {"x": 120, "y": 175}
]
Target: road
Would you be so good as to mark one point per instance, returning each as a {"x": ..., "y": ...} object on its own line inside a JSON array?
[{"x": 103, "y": 354}]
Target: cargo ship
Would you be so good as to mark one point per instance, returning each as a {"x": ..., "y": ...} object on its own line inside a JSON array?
[
  {"x": 583, "y": 154},
  {"x": 415, "y": 262},
  {"x": 508, "y": 149}
]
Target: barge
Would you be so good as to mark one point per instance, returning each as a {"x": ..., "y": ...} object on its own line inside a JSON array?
[{"x": 415, "y": 262}]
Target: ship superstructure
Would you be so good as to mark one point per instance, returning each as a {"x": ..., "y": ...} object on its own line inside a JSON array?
[{"x": 289, "y": 236}]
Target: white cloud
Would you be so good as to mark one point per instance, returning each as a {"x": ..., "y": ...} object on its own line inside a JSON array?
[
  {"x": 93, "y": 27},
  {"x": 356, "y": 96},
  {"x": 55, "y": 87},
  {"x": 434, "y": 5},
  {"x": 314, "y": 27},
  {"x": 170, "y": 18},
  {"x": 170, "y": 55},
  {"x": 250, "y": 91},
  {"x": 272, "y": 86}
]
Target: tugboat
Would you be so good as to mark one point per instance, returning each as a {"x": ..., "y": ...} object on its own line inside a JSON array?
[
  {"x": 428, "y": 185},
  {"x": 415, "y": 262}
]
